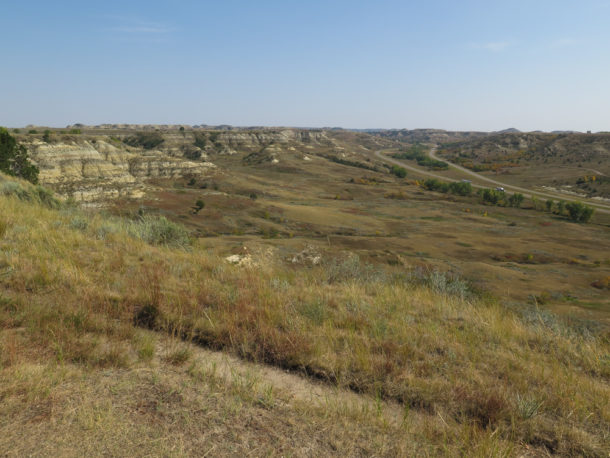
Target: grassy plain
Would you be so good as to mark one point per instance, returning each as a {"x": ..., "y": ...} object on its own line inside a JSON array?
[{"x": 425, "y": 327}]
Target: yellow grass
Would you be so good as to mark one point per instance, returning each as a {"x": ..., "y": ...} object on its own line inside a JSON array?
[{"x": 467, "y": 375}]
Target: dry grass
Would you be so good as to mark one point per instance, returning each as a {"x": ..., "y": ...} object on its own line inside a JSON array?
[{"x": 469, "y": 376}]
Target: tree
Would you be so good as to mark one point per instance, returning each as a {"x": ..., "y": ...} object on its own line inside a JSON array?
[
  {"x": 460, "y": 188},
  {"x": 515, "y": 200},
  {"x": 549, "y": 205},
  {"x": 579, "y": 212},
  {"x": 492, "y": 196},
  {"x": 400, "y": 172},
  {"x": 46, "y": 136},
  {"x": 14, "y": 158}
]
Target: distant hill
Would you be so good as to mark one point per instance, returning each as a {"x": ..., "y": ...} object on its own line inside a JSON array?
[
  {"x": 425, "y": 135},
  {"x": 575, "y": 161}
]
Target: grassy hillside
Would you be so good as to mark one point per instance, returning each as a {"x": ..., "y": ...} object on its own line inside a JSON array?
[{"x": 103, "y": 319}]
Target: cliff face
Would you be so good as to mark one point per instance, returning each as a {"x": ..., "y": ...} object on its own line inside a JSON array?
[
  {"x": 102, "y": 164},
  {"x": 248, "y": 141},
  {"x": 98, "y": 171}
]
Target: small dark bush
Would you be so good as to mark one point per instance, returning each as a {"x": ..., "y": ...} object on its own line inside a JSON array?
[
  {"x": 199, "y": 205},
  {"x": 200, "y": 140},
  {"x": 147, "y": 316}
]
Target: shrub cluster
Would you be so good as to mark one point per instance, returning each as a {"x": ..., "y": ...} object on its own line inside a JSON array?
[
  {"x": 417, "y": 153},
  {"x": 36, "y": 194},
  {"x": 579, "y": 212},
  {"x": 342, "y": 161},
  {"x": 146, "y": 140},
  {"x": 459, "y": 188},
  {"x": 201, "y": 140},
  {"x": 159, "y": 231},
  {"x": 495, "y": 197},
  {"x": 400, "y": 172}
]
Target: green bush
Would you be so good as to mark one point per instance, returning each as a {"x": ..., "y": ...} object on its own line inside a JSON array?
[
  {"x": 579, "y": 212},
  {"x": 159, "y": 231},
  {"x": 492, "y": 196},
  {"x": 418, "y": 153},
  {"x": 29, "y": 193},
  {"x": 515, "y": 200},
  {"x": 14, "y": 159},
  {"x": 459, "y": 188},
  {"x": 400, "y": 172}
]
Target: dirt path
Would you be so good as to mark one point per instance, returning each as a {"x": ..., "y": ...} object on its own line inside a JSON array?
[{"x": 509, "y": 188}]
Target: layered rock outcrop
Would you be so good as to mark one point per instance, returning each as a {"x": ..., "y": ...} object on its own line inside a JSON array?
[{"x": 96, "y": 171}]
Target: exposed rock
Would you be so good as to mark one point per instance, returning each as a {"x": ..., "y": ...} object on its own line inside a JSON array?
[
  {"x": 310, "y": 255},
  {"x": 95, "y": 172},
  {"x": 244, "y": 260}
]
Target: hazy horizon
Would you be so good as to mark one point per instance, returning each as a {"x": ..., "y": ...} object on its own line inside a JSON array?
[
  {"x": 288, "y": 127},
  {"x": 468, "y": 66}
]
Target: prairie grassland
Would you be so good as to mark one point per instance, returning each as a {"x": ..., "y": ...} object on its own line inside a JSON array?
[{"x": 467, "y": 375}]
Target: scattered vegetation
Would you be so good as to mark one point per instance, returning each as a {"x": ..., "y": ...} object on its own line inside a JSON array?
[
  {"x": 460, "y": 188},
  {"x": 350, "y": 163},
  {"x": 493, "y": 378},
  {"x": 201, "y": 140},
  {"x": 417, "y": 153},
  {"x": 146, "y": 140}
]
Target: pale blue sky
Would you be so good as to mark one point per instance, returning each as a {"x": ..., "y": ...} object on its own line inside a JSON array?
[{"x": 466, "y": 65}]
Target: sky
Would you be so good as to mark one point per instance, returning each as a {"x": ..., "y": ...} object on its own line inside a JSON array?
[{"x": 456, "y": 65}]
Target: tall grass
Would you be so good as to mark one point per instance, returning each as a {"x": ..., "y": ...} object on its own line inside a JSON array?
[{"x": 418, "y": 338}]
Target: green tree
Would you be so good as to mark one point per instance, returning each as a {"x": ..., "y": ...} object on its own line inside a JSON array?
[
  {"x": 492, "y": 196},
  {"x": 14, "y": 158},
  {"x": 460, "y": 188},
  {"x": 579, "y": 212},
  {"x": 549, "y": 205},
  {"x": 515, "y": 200},
  {"x": 561, "y": 207},
  {"x": 46, "y": 136},
  {"x": 400, "y": 172}
]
